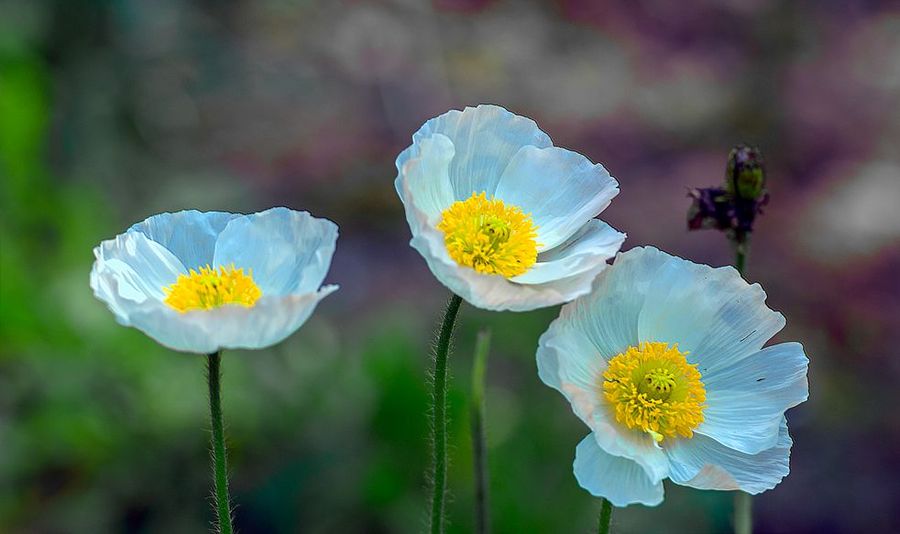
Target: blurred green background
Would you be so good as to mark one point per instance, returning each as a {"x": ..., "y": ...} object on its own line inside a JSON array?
[{"x": 114, "y": 110}]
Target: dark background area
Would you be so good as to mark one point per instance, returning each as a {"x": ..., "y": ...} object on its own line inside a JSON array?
[{"x": 111, "y": 111}]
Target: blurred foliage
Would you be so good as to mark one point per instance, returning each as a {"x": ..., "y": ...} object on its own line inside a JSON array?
[{"x": 113, "y": 110}]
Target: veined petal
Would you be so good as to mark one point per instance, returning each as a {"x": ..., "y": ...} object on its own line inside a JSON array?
[
  {"x": 711, "y": 313},
  {"x": 561, "y": 189},
  {"x": 288, "y": 252},
  {"x": 491, "y": 292},
  {"x": 608, "y": 316},
  {"x": 190, "y": 235},
  {"x": 746, "y": 402},
  {"x": 485, "y": 138},
  {"x": 595, "y": 242},
  {"x": 704, "y": 463},
  {"x": 617, "y": 479},
  {"x": 132, "y": 269},
  {"x": 270, "y": 321},
  {"x": 427, "y": 176},
  {"x": 570, "y": 363}
]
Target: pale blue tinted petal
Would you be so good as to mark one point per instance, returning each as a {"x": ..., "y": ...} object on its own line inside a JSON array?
[
  {"x": 617, "y": 479},
  {"x": 427, "y": 177},
  {"x": 609, "y": 315},
  {"x": 271, "y": 320},
  {"x": 745, "y": 402},
  {"x": 561, "y": 190},
  {"x": 492, "y": 292},
  {"x": 131, "y": 269},
  {"x": 703, "y": 463},
  {"x": 485, "y": 138},
  {"x": 713, "y": 314},
  {"x": 593, "y": 244},
  {"x": 569, "y": 361},
  {"x": 190, "y": 235},
  {"x": 289, "y": 252}
]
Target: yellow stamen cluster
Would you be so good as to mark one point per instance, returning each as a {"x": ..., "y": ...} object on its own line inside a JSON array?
[
  {"x": 654, "y": 389},
  {"x": 489, "y": 236},
  {"x": 210, "y": 288}
]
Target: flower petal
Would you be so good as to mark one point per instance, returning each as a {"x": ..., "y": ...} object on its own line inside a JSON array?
[
  {"x": 593, "y": 244},
  {"x": 561, "y": 189},
  {"x": 711, "y": 313},
  {"x": 427, "y": 176},
  {"x": 492, "y": 292},
  {"x": 608, "y": 316},
  {"x": 617, "y": 479},
  {"x": 270, "y": 321},
  {"x": 289, "y": 252},
  {"x": 746, "y": 402},
  {"x": 703, "y": 463},
  {"x": 485, "y": 138},
  {"x": 189, "y": 235},
  {"x": 569, "y": 361},
  {"x": 131, "y": 269}
]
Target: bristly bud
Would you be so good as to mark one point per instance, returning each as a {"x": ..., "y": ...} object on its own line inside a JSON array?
[
  {"x": 732, "y": 207},
  {"x": 745, "y": 173}
]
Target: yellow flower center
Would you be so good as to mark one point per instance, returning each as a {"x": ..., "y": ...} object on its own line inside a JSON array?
[
  {"x": 210, "y": 288},
  {"x": 489, "y": 236},
  {"x": 652, "y": 388}
]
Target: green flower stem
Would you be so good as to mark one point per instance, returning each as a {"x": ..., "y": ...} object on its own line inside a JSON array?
[
  {"x": 743, "y": 513},
  {"x": 605, "y": 516},
  {"x": 220, "y": 467},
  {"x": 741, "y": 247},
  {"x": 743, "y": 503},
  {"x": 439, "y": 415},
  {"x": 479, "y": 446}
]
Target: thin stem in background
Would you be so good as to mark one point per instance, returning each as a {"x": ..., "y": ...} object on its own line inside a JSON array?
[
  {"x": 741, "y": 246},
  {"x": 439, "y": 415},
  {"x": 220, "y": 465},
  {"x": 605, "y": 516},
  {"x": 479, "y": 440},
  {"x": 743, "y": 503}
]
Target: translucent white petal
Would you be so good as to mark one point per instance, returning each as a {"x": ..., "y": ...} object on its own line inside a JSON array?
[
  {"x": 704, "y": 463},
  {"x": 492, "y": 292},
  {"x": 428, "y": 177},
  {"x": 485, "y": 138},
  {"x": 569, "y": 362},
  {"x": 270, "y": 321},
  {"x": 746, "y": 401},
  {"x": 131, "y": 269},
  {"x": 289, "y": 252},
  {"x": 561, "y": 189},
  {"x": 608, "y": 316},
  {"x": 190, "y": 235},
  {"x": 617, "y": 479},
  {"x": 713, "y": 314},
  {"x": 594, "y": 243}
]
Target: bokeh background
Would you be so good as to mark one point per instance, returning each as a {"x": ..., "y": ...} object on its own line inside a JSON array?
[{"x": 114, "y": 110}]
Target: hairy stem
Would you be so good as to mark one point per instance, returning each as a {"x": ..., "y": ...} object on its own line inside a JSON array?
[
  {"x": 439, "y": 415},
  {"x": 220, "y": 466}
]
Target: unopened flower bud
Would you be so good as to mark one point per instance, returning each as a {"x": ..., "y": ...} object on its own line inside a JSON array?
[{"x": 745, "y": 175}]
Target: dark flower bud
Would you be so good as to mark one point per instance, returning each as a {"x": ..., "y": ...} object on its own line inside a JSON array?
[
  {"x": 733, "y": 207},
  {"x": 745, "y": 174}
]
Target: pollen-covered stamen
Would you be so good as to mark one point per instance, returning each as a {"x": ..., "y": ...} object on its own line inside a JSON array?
[
  {"x": 652, "y": 388},
  {"x": 489, "y": 236},
  {"x": 210, "y": 288}
]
